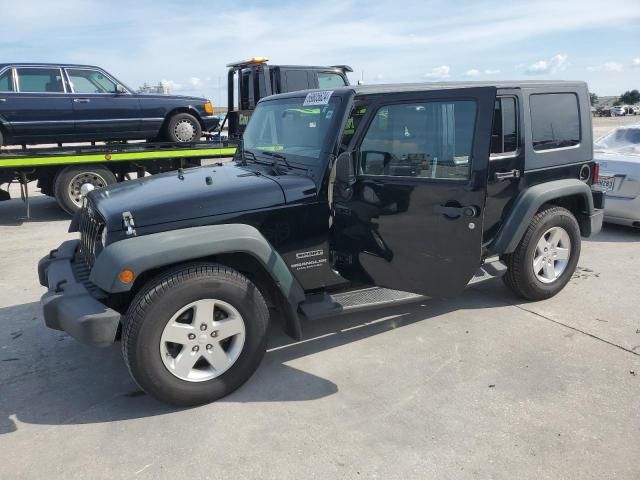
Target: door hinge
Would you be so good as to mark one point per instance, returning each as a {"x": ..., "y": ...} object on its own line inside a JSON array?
[{"x": 505, "y": 175}]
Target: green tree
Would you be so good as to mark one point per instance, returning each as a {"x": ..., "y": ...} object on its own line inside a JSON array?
[
  {"x": 630, "y": 97},
  {"x": 594, "y": 99}
]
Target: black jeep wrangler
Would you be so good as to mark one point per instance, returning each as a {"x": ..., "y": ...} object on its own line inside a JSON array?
[{"x": 336, "y": 199}]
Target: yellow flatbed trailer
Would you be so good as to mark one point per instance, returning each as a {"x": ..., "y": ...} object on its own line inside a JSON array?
[{"x": 61, "y": 172}]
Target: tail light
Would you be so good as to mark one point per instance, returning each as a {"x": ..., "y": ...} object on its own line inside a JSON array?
[{"x": 596, "y": 173}]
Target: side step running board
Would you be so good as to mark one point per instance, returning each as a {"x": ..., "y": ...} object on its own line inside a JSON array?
[{"x": 324, "y": 305}]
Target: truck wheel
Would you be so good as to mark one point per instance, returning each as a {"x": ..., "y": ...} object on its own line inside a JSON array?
[
  {"x": 546, "y": 257},
  {"x": 67, "y": 186},
  {"x": 183, "y": 128},
  {"x": 195, "y": 334}
]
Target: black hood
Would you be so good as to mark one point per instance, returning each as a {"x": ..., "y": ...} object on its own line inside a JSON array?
[{"x": 197, "y": 193}]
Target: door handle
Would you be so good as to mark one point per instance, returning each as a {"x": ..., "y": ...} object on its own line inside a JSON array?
[
  {"x": 505, "y": 175},
  {"x": 456, "y": 212},
  {"x": 2, "y": 100},
  {"x": 81, "y": 100}
]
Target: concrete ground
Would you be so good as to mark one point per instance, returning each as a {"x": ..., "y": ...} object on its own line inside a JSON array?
[{"x": 479, "y": 386}]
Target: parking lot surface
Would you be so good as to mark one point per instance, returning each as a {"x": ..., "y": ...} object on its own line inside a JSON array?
[{"x": 479, "y": 386}]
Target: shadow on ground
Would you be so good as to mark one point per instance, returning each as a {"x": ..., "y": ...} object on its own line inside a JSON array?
[
  {"x": 43, "y": 209},
  {"x": 60, "y": 382}
]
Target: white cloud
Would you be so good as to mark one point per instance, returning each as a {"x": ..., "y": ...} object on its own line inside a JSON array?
[
  {"x": 607, "y": 67},
  {"x": 171, "y": 85},
  {"x": 443, "y": 71},
  {"x": 195, "y": 82},
  {"x": 474, "y": 72},
  {"x": 541, "y": 67},
  {"x": 635, "y": 63}
]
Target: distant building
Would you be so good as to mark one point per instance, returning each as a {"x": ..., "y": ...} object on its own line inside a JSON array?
[{"x": 161, "y": 88}]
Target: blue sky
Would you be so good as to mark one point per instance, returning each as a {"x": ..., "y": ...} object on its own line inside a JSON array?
[{"x": 188, "y": 43}]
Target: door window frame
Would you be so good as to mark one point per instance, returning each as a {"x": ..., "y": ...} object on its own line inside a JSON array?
[
  {"x": 98, "y": 70},
  {"x": 16, "y": 79},
  {"x": 374, "y": 107},
  {"x": 515, "y": 153},
  {"x": 11, "y": 79}
]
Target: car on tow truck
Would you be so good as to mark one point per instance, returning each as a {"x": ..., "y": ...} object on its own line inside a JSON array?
[
  {"x": 59, "y": 103},
  {"x": 337, "y": 199}
]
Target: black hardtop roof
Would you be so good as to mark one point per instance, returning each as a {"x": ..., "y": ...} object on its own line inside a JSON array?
[
  {"x": 427, "y": 86},
  {"x": 38, "y": 64}
]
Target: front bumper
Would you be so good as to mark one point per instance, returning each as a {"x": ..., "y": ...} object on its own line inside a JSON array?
[
  {"x": 68, "y": 304},
  {"x": 209, "y": 123}
]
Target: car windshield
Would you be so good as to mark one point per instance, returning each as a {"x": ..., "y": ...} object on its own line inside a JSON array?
[
  {"x": 291, "y": 127},
  {"x": 623, "y": 140}
]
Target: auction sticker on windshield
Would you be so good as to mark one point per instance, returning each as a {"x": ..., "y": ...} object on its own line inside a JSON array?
[{"x": 317, "y": 98}]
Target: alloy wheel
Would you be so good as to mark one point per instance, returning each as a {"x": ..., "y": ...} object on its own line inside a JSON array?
[
  {"x": 202, "y": 340},
  {"x": 551, "y": 255}
]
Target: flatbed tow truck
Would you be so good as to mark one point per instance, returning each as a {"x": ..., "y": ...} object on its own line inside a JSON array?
[{"x": 65, "y": 172}]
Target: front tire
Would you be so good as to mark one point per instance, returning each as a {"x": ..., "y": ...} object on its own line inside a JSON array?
[
  {"x": 546, "y": 257},
  {"x": 195, "y": 334},
  {"x": 67, "y": 186},
  {"x": 183, "y": 128}
]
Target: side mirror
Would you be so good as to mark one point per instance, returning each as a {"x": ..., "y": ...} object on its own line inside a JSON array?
[
  {"x": 345, "y": 174},
  {"x": 121, "y": 89}
]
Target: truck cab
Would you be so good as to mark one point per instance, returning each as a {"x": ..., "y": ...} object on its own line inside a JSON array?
[
  {"x": 250, "y": 80},
  {"x": 338, "y": 199}
]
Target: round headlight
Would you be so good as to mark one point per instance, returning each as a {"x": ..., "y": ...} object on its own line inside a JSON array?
[{"x": 103, "y": 237}]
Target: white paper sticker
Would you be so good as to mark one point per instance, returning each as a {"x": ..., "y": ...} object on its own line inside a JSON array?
[{"x": 317, "y": 98}]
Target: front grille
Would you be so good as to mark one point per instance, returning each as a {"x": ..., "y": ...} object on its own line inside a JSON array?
[{"x": 90, "y": 227}]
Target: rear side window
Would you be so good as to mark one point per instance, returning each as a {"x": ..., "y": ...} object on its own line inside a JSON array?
[
  {"x": 6, "y": 85},
  {"x": 330, "y": 80},
  {"x": 40, "y": 80},
  {"x": 296, "y": 80},
  {"x": 555, "y": 120},
  {"x": 504, "y": 137}
]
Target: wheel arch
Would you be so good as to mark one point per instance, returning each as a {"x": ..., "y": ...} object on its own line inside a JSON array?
[
  {"x": 238, "y": 246},
  {"x": 183, "y": 109},
  {"x": 572, "y": 194}
]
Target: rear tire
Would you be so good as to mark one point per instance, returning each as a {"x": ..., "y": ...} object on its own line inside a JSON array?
[
  {"x": 187, "y": 315},
  {"x": 183, "y": 128},
  {"x": 69, "y": 181},
  {"x": 546, "y": 257}
]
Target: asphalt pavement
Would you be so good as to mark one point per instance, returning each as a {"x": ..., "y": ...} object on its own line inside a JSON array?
[{"x": 475, "y": 387}]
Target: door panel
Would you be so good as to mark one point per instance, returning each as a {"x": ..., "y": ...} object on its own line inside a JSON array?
[
  {"x": 97, "y": 109},
  {"x": 41, "y": 107},
  {"x": 413, "y": 219}
]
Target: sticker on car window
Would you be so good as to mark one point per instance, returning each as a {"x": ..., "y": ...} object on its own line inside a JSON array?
[{"x": 317, "y": 98}]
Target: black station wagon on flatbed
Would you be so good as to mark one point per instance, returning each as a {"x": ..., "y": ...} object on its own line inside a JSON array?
[
  {"x": 338, "y": 199},
  {"x": 59, "y": 103}
]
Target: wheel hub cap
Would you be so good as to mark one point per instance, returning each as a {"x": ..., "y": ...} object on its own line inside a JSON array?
[
  {"x": 202, "y": 340},
  {"x": 185, "y": 131},
  {"x": 551, "y": 256},
  {"x": 83, "y": 182}
]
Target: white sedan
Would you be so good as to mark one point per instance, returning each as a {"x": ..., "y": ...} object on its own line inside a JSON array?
[{"x": 618, "y": 154}]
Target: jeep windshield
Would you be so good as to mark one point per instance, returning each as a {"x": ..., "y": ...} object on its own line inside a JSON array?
[{"x": 289, "y": 128}]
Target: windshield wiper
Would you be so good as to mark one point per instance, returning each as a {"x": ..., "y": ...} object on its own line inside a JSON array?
[{"x": 277, "y": 156}]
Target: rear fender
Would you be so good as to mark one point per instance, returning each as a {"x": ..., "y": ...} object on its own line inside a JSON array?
[{"x": 528, "y": 203}]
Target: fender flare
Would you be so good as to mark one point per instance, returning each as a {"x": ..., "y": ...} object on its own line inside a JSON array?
[
  {"x": 528, "y": 202},
  {"x": 141, "y": 254}
]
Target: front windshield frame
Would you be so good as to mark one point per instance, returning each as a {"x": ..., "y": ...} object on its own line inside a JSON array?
[{"x": 334, "y": 108}]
